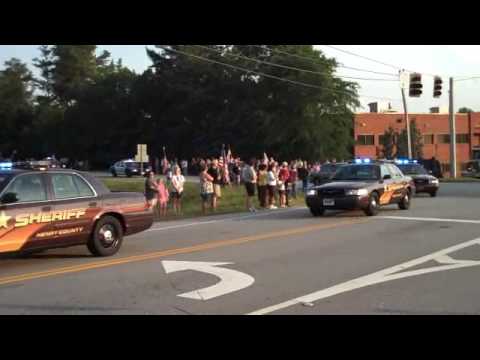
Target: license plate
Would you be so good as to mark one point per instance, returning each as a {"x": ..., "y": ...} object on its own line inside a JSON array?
[{"x": 328, "y": 202}]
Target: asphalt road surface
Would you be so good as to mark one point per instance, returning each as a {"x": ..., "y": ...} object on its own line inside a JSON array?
[{"x": 422, "y": 261}]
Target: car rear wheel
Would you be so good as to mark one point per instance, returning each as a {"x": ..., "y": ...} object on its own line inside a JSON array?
[
  {"x": 373, "y": 205},
  {"x": 433, "y": 194},
  {"x": 404, "y": 204},
  {"x": 107, "y": 237},
  {"x": 317, "y": 211},
  {"x": 114, "y": 173}
]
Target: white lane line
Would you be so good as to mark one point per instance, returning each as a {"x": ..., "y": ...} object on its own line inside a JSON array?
[
  {"x": 381, "y": 276},
  {"x": 429, "y": 219},
  {"x": 224, "y": 219}
]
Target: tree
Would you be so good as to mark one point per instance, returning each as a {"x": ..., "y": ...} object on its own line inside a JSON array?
[
  {"x": 465, "y": 110},
  {"x": 211, "y": 104},
  {"x": 16, "y": 105},
  {"x": 416, "y": 139},
  {"x": 388, "y": 142},
  {"x": 67, "y": 70}
]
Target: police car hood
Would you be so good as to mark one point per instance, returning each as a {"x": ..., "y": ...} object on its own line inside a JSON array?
[
  {"x": 422, "y": 177},
  {"x": 345, "y": 185}
]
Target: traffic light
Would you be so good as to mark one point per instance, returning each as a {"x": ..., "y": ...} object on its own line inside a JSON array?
[
  {"x": 415, "y": 85},
  {"x": 437, "y": 87}
]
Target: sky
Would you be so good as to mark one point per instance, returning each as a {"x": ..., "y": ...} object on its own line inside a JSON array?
[{"x": 443, "y": 60}]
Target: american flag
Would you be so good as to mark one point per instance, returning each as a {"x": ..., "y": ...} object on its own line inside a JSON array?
[
  {"x": 164, "y": 162},
  {"x": 223, "y": 163}
]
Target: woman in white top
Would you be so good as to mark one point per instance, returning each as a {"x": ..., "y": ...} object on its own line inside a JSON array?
[
  {"x": 272, "y": 185},
  {"x": 177, "y": 183}
]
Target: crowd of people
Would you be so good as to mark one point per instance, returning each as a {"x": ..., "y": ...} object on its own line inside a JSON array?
[{"x": 274, "y": 183}]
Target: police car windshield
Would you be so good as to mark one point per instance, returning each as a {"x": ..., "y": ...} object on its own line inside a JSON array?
[
  {"x": 327, "y": 168},
  {"x": 357, "y": 172},
  {"x": 413, "y": 169}
]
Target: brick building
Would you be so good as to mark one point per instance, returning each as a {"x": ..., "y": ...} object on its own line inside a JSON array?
[{"x": 434, "y": 126}]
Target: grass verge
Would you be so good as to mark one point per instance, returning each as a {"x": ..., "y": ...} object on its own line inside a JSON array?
[{"x": 232, "y": 201}]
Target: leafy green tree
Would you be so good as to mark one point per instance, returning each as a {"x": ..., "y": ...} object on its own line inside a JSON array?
[
  {"x": 67, "y": 70},
  {"x": 465, "y": 110},
  {"x": 388, "y": 142},
  {"x": 416, "y": 139},
  {"x": 16, "y": 106}
]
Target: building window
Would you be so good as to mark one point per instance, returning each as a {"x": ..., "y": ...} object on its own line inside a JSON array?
[
  {"x": 381, "y": 139},
  {"x": 428, "y": 139},
  {"x": 463, "y": 138},
  {"x": 365, "y": 140},
  {"x": 443, "y": 139}
]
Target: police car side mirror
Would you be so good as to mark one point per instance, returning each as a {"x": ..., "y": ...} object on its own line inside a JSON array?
[
  {"x": 9, "y": 198},
  {"x": 387, "y": 177}
]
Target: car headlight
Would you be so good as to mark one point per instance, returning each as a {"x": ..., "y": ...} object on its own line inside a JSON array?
[
  {"x": 311, "y": 192},
  {"x": 357, "y": 192},
  {"x": 433, "y": 181}
]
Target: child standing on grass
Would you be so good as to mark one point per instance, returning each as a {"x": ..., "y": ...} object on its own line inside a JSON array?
[{"x": 163, "y": 197}]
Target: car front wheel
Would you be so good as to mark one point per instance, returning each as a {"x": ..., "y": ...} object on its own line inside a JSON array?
[
  {"x": 317, "y": 211},
  {"x": 372, "y": 208},
  {"x": 404, "y": 204},
  {"x": 107, "y": 237},
  {"x": 433, "y": 194}
]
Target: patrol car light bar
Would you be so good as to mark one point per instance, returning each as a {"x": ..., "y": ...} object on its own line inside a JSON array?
[
  {"x": 6, "y": 165},
  {"x": 363, "y": 161},
  {"x": 406, "y": 161}
]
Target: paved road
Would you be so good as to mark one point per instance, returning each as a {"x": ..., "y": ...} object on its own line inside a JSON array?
[{"x": 422, "y": 261}]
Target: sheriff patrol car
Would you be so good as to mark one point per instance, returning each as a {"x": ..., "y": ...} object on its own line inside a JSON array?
[
  {"x": 363, "y": 184},
  {"x": 424, "y": 182},
  {"x": 60, "y": 208}
]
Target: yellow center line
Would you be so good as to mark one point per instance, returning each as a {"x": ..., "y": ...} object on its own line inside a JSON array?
[{"x": 171, "y": 252}]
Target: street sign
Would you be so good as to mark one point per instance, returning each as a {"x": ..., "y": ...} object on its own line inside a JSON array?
[
  {"x": 404, "y": 80},
  {"x": 142, "y": 155}
]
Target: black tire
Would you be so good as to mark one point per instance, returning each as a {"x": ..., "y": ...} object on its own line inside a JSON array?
[
  {"x": 114, "y": 173},
  {"x": 129, "y": 174},
  {"x": 317, "y": 211},
  {"x": 433, "y": 194},
  {"x": 404, "y": 204},
  {"x": 373, "y": 205},
  {"x": 106, "y": 238}
]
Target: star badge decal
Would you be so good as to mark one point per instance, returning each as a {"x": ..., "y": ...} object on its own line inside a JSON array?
[{"x": 4, "y": 220}]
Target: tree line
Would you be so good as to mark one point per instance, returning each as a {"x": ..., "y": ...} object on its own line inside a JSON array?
[{"x": 192, "y": 99}]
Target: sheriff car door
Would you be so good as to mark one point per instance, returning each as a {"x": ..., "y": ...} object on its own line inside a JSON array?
[{"x": 25, "y": 213}]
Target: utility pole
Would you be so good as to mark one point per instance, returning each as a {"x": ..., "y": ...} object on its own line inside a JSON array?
[
  {"x": 405, "y": 111},
  {"x": 453, "y": 136}
]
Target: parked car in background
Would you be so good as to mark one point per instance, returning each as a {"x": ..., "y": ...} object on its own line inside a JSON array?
[
  {"x": 129, "y": 168},
  {"x": 472, "y": 169}
]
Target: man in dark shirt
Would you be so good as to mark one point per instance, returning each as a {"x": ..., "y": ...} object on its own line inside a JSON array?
[
  {"x": 215, "y": 173},
  {"x": 303, "y": 175}
]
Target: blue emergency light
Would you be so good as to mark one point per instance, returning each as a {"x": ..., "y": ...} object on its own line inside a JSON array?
[
  {"x": 406, "y": 161},
  {"x": 363, "y": 161},
  {"x": 6, "y": 165}
]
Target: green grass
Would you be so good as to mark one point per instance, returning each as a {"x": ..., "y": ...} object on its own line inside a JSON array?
[
  {"x": 459, "y": 180},
  {"x": 232, "y": 201}
]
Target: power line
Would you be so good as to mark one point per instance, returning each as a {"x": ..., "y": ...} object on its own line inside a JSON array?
[
  {"x": 314, "y": 61},
  {"x": 290, "y": 67},
  {"x": 379, "y": 62},
  {"x": 364, "y": 57},
  {"x": 271, "y": 76},
  {"x": 469, "y": 78}
]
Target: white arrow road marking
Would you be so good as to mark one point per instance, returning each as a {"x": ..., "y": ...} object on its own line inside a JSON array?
[
  {"x": 389, "y": 274},
  {"x": 230, "y": 280}
]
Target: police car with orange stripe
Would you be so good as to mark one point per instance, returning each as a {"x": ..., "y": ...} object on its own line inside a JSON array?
[
  {"x": 362, "y": 184},
  {"x": 59, "y": 208}
]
